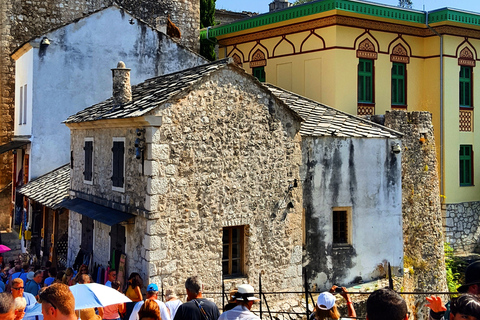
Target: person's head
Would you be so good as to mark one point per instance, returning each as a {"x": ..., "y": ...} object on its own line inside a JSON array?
[
  {"x": 112, "y": 275},
  {"x": 57, "y": 302},
  {"x": 135, "y": 280},
  {"x": 84, "y": 278},
  {"x": 326, "y": 307},
  {"x": 149, "y": 311},
  {"x": 38, "y": 276},
  {"x": 17, "y": 288},
  {"x": 52, "y": 272},
  {"x": 69, "y": 272},
  {"x": 386, "y": 304},
  {"x": 244, "y": 296},
  {"x": 194, "y": 287},
  {"x": 116, "y": 285},
  {"x": 7, "y": 306},
  {"x": 18, "y": 266},
  {"x": 83, "y": 269},
  {"x": 152, "y": 291},
  {"x": 20, "y": 305},
  {"x": 472, "y": 279},
  {"x": 465, "y": 307},
  {"x": 170, "y": 295}
]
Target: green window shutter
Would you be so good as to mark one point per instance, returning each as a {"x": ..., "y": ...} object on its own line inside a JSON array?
[
  {"x": 465, "y": 86},
  {"x": 365, "y": 81},
  {"x": 398, "y": 84},
  {"x": 466, "y": 165},
  {"x": 259, "y": 73}
]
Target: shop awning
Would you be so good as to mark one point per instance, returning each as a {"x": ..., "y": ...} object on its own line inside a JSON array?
[
  {"x": 15, "y": 144},
  {"x": 96, "y": 212}
]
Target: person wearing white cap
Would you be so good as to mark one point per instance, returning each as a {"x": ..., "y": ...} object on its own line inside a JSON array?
[
  {"x": 244, "y": 299},
  {"x": 326, "y": 308}
]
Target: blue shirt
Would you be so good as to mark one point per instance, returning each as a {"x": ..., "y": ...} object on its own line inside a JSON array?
[
  {"x": 31, "y": 302},
  {"x": 32, "y": 287},
  {"x": 49, "y": 281}
]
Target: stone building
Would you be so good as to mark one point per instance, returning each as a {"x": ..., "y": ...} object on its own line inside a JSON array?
[
  {"x": 202, "y": 165},
  {"x": 54, "y": 73},
  {"x": 21, "y": 20},
  {"x": 352, "y": 194}
]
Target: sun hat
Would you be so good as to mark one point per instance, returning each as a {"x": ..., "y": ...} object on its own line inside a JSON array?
[
  {"x": 472, "y": 276},
  {"x": 30, "y": 275},
  {"x": 325, "y": 301},
  {"x": 245, "y": 292},
  {"x": 152, "y": 287}
]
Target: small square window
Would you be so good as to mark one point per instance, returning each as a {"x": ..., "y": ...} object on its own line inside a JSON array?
[{"x": 341, "y": 226}]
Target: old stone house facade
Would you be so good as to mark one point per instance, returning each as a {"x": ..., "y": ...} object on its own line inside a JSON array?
[
  {"x": 204, "y": 165},
  {"x": 352, "y": 194},
  {"x": 56, "y": 70},
  {"x": 21, "y": 20}
]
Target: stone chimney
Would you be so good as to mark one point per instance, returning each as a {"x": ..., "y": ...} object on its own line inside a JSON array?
[
  {"x": 122, "y": 90},
  {"x": 279, "y": 5}
]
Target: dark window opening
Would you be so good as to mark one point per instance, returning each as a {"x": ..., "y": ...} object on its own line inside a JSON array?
[
  {"x": 466, "y": 165},
  {"x": 232, "y": 258},
  {"x": 340, "y": 227},
  {"x": 118, "y": 164}
]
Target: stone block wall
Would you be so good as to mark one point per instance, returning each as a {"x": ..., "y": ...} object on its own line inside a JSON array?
[
  {"x": 21, "y": 20},
  {"x": 422, "y": 217},
  {"x": 225, "y": 155},
  {"x": 462, "y": 226}
]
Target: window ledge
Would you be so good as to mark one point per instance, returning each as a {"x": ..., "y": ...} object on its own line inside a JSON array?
[
  {"x": 342, "y": 246},
  {"x": 466, "y": 108},
  {"x": 234, "y": 277},
  {"x": 366, "y": 104},
  {"x": 399, "y": 106}
]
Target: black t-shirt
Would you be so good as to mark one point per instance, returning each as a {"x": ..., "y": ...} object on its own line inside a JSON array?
[{"x": 190, "y": 310}]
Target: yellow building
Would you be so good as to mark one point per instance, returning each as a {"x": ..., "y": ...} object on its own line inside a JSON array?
[{"x": 367, "y": 58}]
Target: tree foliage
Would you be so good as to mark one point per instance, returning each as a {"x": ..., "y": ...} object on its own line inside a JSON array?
[
  {"x": 405, "y": 3},
  {"x": 301, "y": 2},
  {"x": 207, "y": 19}
]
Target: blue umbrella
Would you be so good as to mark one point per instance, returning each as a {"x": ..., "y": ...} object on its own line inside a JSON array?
[{"x": 92, "y": 295}]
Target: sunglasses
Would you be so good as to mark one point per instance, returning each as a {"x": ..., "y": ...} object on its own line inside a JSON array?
[{"x": 44, "y": 299}]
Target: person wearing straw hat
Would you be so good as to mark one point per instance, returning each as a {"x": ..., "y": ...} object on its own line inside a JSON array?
[
  {"x": 244, "y": 298},
  {"x": 57, "y": 302},
  {"x": 326, "y": 308}
]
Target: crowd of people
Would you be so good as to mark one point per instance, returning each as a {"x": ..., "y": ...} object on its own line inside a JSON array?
[{"x": 25, "y": 287}]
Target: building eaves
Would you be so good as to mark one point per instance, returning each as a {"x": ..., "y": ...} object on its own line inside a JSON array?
[
  {"x": 367, "y": 8},
  {"x": 50, "y": 189},
  {"x": 149, "y": 94},
  {"x": 322, "y": 120}
]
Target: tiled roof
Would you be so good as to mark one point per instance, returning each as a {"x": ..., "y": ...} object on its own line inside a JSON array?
[
  {"x": 322, "y": 120},
  {"x": 149, "y": 94},
  {"x": 50, "y": 189}
]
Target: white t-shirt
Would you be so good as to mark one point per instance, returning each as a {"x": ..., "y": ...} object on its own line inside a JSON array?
[
  {"x": 173, "y": 305},
  {"x": 164, "y": 313}
]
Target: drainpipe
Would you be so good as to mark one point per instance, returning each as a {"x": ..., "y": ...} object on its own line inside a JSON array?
[{"x": 441, "y": 104}]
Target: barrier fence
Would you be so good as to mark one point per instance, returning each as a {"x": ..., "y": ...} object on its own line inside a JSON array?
[{"x": 265, "y": 311}]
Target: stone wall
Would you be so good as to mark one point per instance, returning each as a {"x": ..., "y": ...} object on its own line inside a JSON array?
[
  {"x": 225, "y": 155},
  {"x": 74, "y": 236},
  {"x": 422, "y": 219},
  {"x": 21, "y": 20},
  {"x": 462, "y": 227}
]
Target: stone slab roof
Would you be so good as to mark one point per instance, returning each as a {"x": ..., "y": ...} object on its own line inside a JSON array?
[
  {"x": 149, "y": 94},
  {"x": 50, "y": 189},
  {"x": 322, "y": 120}
]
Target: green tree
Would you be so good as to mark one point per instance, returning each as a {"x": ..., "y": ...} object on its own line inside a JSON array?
[
  {"x": 405, "y": 3},
  {"x": 207, "y": 19}
]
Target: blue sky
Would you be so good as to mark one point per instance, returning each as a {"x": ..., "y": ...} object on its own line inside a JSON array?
[{"x": 261, "y": 6}]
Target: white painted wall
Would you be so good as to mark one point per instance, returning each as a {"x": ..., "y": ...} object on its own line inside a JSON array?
[
  {"x": 23, "y": 76},
  {"x": 74, "y": 72},
  {"x": 362, "y": 174}
]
